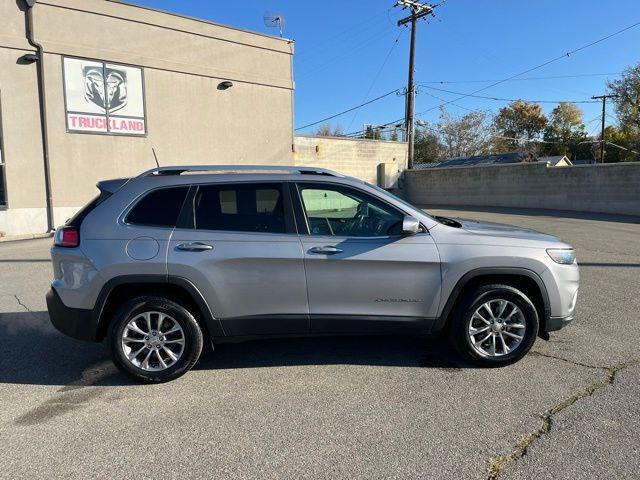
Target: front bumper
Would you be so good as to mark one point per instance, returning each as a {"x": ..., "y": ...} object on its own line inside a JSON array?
[
  {"x": 556, "y": 323},
  {"x": 74, "y": 322}
]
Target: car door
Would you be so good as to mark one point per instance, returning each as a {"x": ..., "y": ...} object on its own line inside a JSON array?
[
  {"x": 237, "y": 243},
  {"x": 362, "y": 273}
]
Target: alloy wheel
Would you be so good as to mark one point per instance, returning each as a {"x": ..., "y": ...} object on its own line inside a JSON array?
[
  {"x": 497, "y": 328},
  {"x": 153, "y": 341}
]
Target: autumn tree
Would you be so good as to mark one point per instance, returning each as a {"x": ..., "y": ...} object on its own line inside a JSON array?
[
  {"x": 516, "y": 125},
  {"x": 326, "y": 130},
  {"x": 464, "y": 136},
  {"x": 566, "y": 133}
]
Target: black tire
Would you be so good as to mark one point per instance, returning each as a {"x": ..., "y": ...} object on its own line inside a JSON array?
[
  {"x": 462, "y": 317},
  {"x": 193, "y": 338}
]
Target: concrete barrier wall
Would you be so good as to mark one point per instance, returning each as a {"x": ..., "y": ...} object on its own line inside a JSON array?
[
  {"x": 609, "y": 188},
  {"x": 355, "y": 157}
]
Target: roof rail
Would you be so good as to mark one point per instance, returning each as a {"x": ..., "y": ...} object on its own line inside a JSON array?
[{"x": 178, "y": 170}]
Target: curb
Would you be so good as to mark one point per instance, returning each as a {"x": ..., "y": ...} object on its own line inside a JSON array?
[{"x": 29, "y": 236}]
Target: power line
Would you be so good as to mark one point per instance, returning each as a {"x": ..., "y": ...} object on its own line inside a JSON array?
[
  {"x": 375, "y": 79},
  {"x": 581, "y": 75},
  {"x": 349, "y": 110},
  {"x": 507, "y": 99},
  {"x": 537, "y": 67}
]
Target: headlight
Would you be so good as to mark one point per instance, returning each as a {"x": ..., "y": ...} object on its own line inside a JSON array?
[{"x": 565, "y": 256}]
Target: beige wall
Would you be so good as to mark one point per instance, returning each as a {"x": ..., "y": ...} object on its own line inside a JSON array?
[
  {"x": 609, "y": 188},
  {"x": 354, "y": 157},
  {"x": 188, "y": 120}
]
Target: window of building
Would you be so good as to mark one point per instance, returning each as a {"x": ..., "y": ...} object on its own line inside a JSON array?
[
  {"x": 240, "y": 208},
  {"x": 341, "y": 211},
  {"x": 159, "y": 208}
]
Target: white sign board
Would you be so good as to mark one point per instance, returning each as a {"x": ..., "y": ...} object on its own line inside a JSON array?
[{"x": 104, "y": 97}]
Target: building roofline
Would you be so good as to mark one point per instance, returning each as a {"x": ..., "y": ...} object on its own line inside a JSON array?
[{"x": 200, "y": 20}]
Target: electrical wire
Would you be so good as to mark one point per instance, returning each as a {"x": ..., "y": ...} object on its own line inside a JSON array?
[
  {"x": 349, "y": 110},
  {"x": 507, "y": 99},
  {"x": 375, "y": 79},
  {"x": 581, "y": 75},
  {"x": 537, "y": 67}
]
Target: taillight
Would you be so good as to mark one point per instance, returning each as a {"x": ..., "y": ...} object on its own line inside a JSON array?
[{"x": 67, "y": 237}]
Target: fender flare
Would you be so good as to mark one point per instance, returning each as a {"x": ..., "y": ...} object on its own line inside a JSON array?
[
  {"x": 214, "y": 326},
  {"x": 484, "y": 271}
]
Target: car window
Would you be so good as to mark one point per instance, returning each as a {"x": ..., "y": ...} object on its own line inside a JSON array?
[
  {"x": 342, "y": 211},
  {"x": 159, "y": 208},
  {"x": 240, "y": 208}
]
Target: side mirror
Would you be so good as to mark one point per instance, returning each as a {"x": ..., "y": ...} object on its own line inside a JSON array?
[{"x": 410, "y": 225}]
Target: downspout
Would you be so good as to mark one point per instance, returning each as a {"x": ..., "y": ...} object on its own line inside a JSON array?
[{"x": 43, "y": 111}]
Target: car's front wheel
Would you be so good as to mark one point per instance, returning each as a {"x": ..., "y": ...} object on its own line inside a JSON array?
[
  {"x": 154, "y": 339},
  {"x": 497, "y": 325}
]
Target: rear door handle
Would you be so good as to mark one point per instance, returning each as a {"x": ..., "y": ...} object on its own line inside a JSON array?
[
  {"x": 326, "y": 250},
  {"x": 194, "y": 247}
]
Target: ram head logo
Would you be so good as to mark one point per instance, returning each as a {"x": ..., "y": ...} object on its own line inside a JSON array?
[{"x": 106, "y": 88}]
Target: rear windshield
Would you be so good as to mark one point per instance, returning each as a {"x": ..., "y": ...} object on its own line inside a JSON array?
[{"x": 159, "y": 208}]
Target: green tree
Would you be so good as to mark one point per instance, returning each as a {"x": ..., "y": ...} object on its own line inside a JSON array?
[
  {"x": 428, "y": 148},
  {"x": 566, "y": 133},
  {"x": 627, "y": 101},
  {"x": 516, "y": 125},
  {"x": 621, "y": 146},
  {"x": 627, "y": 104}
]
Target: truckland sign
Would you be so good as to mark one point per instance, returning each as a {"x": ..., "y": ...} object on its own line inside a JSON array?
[{"x": 104, "y": 97}]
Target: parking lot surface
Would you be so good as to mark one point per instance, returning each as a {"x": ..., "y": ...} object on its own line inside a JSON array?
[{"x": 336, "y": 407}]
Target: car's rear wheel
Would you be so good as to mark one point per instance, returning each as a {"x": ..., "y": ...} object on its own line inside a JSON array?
[
  {"x": 497, "y": 325},
  {"x": 155, "y": 339}
]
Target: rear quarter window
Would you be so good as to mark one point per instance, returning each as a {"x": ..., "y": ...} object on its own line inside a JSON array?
[{"x": 158, "y": 208}]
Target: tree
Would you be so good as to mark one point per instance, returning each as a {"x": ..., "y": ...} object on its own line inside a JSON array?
[
  {"x": 325, "y": 130},
  {"x": 465, "y": 136},
  {"x": 627, "y": 103},
  {"x": 627, "y": 90},
  {"x": 516, "y": 125},
  {"x": 373, "y": 133},
  {"x": 566, "y": 133},
  {"x": 428, "y": 148},
  {"x": 621, "y": 146}
]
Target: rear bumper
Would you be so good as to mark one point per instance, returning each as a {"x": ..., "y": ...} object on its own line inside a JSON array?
[
  {"x": 74, "y": 322},
  {"x": 556, "y": 323}
]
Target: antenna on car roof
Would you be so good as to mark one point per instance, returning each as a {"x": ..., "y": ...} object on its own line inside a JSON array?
[{"x": 155, "y": 156}]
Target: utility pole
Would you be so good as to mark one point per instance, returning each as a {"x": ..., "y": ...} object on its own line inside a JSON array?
[
  {"x": 604, "y": 113},
  {"x": 418, "y": 10}
]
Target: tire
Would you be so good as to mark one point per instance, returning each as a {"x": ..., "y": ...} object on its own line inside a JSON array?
[
  {"x": 473, "y": 317},
  {"x": 166, "y": 336}
]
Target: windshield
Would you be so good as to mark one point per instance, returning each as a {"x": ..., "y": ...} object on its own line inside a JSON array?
[{"x": 404, "y": 202}]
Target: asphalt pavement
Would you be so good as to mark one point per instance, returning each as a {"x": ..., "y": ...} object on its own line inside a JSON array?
[{"x": 351, "y": 407}]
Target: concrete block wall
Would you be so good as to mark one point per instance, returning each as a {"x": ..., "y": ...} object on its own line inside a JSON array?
[
  {"x": 608, "y": 188},
  {"x": 354, "y": 157}
]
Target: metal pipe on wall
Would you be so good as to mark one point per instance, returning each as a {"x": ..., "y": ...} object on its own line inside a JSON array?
[{"x": 43, "y": 110}]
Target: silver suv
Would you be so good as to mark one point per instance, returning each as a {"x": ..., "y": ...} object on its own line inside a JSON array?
[{"x": 177, "y": 256}]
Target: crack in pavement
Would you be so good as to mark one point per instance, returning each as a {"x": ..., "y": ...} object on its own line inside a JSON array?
[{"x": 497, "y": 465}]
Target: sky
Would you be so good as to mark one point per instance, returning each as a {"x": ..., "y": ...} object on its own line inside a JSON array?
[{"x": 351, "y": 51}]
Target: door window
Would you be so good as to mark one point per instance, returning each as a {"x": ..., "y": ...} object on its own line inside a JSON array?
[
  {"x": 240, "y": 208},
  {"x": 346, "y": 212}
]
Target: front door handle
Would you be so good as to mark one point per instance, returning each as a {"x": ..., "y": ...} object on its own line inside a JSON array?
[
  {"x": 326, "y": 250},
  {"x": 194, "y": 247}
]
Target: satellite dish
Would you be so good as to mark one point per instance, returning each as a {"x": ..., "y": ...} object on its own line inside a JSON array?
[{"x": 274, "y": 20}]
